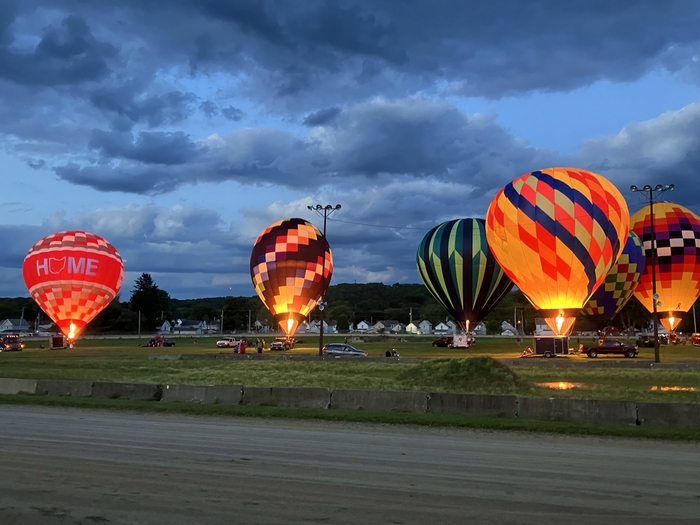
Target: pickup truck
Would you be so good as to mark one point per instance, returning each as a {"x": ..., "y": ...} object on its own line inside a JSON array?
[{"x": 610, "y": 346}]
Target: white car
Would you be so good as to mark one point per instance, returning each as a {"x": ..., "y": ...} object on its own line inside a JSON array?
[{"x": 228, "y": 342}]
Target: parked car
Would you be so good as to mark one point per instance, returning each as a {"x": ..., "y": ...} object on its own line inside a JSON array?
[
  {"x": 11, "y": 343},
  {"x": 282, "y": 343},
  {"x": 610, "y": 346},
  {"x": 341, "y": 349},
  {"x": 228, "y": 342},
  {"x": 648, "y": 340},
  {"x": 444, "y": 342}
]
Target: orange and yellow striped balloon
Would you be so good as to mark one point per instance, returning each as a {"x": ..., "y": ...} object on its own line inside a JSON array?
[
  {"x": 678, "y": 260},
  {"x": 556, "y": 233}
]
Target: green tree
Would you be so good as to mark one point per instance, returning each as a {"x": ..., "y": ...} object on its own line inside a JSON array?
[{"x": 151, "y": 301}]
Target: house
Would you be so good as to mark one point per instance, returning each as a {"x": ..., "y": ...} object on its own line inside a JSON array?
[
  {"x": 425, "y": 327},
  {"x": 454, "y": 328},
  {"x": 329, "y": 327},
  {"x": 261, "y": 326},
  {"x": 362, "y": 326},
  {"x": 479, "y": 329},
  {"x": 542, "y": 328},
  {"x": 184, "y": 326},
  {"x": 398, "y": 328},
  {"x": 166, "y": 327},
  {"x": 441, "y": 328},
  {"x": 411, "y": 328},
  {"x": 386, "y": 325},
  {"x": 19, "y": 325},
  {"x": 508, "y": 329}
]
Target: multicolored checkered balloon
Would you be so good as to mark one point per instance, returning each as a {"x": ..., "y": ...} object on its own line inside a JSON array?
[
  {"x": 457, "y": 267},
  {"x": 556, "y": 233},
  {"x": 620, "y": 283},
  {"x": 291, "y": 267},
  {"x": 73, "y": 276},
  {"x": 678, "y": 265}
]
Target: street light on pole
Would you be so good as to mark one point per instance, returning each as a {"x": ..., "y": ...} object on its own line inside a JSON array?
[
  {"x": 324, "y": 211},
  {"x": 659, "y": 188}
]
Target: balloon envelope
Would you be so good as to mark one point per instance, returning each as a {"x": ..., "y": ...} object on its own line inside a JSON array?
[
  {"x": 291, "y": 267},
  {"x": 678, "y": 265},
  {"x": 556, "y": 233},
  {"x": 620, "y": 283},
  {"x": 73, "y": 276},
  {"x": 457, "y": 267}
]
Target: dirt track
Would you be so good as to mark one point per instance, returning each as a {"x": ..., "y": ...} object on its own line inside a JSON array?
[{"x": 61, "y": 466}]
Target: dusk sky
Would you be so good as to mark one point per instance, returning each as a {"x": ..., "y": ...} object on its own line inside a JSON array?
[{"x": 179, "y": 130}]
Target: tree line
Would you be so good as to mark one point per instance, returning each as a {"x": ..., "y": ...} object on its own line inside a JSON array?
[{"x": 347, "y": 303}]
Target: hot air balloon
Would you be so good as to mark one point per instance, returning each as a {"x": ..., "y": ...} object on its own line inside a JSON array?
[
  {"x": 291, "y": 267},
  {"x": 459, "y": 270},
  {"x": 678, "y": 260},
  {"x": 73, "y": 276},
  {"x": 556, "y": 233},
  {"x": 620, "y": 283}
]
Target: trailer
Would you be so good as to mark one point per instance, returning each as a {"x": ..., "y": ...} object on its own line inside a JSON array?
[
  {"x": 463, "y": 341},
  {"x": 551, "y": 346}
]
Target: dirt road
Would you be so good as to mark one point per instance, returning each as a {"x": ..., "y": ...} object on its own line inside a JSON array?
[{"x": 64, "y": 466}]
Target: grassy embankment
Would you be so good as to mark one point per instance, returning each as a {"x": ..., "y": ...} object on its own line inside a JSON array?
[{"x": 123, "y": 360}]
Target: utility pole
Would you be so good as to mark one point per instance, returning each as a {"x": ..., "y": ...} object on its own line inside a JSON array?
[
  {"x": 325, "y": 212},
  {"x": 139, "y": 324},
  {"x": 248, "y": 321},
  {"x": 221, "y": 324},
  {"x": 654, "y": 259}
]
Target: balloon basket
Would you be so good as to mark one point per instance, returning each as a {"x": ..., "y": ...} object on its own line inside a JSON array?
[{"x": 57, "y": 342}]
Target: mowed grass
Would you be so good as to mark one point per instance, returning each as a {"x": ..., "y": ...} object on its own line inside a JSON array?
[{"x": 123, "y": 360}]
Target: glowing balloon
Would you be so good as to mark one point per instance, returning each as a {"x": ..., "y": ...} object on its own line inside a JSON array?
[
  {"x": 73, "y": 276},
  {"x": 459, "y": 270},
  {"x": 620, "y": 283},
  {"x": 556, "y": 233},
  {"x": 678, "y": 264},
  {"x": 291, "y": 267}
]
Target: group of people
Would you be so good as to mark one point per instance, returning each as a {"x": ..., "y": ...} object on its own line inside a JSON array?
[{"x": 245, "y": 344}]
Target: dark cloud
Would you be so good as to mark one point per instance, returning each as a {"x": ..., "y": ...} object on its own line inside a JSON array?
[
  {"x": 209, "y": 108},
  {"x": 232, "y": 113},
  {"x": 322, "y": 117},
  {"x": 126, "y": 105},
  {"x": 67, "y": 54},
  {"x": 148, "y": 147}
]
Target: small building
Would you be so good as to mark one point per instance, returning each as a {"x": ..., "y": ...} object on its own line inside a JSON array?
[
  {"x": 479, "y": 329},
  {"x": 398, "y": 328},
  {"x": 17, "y": 325},
  {"x": 454, "y": 327},
  {"x": 508, "y": 329},
  {"x": 542, "y": 328},
  {"x": 185, "y": 326},
  {"x": 384, "y": 326},
  {"x": 166, "y": 327},
  {"x": 363, "y": 326},
  {"x": 441, "y": 328},
  {"x": 412, "y": 328},
  {"x": 425, "y": 327}
]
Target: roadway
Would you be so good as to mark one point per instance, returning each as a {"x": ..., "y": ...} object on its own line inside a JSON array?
[{"x": 70, "y": 466}]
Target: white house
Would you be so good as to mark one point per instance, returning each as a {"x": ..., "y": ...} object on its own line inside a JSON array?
[
  {"x": 329, "y": 327},
  {"x": 479, "y": 329},
  {"x": 454, "y": 328},
  {"x": 398, "y": 328},
  {"x": 261, "y": 326},
  {"x": 386, "y": 325},
  {"x": 508, "y": 329},
  {"x": 542, "y": 328},
  {"x": 441, "y": 328},
  {"x": 183, "y": 326},
  {"x": 166, "y": 328},
  {"x": 425, "y": 327},
  {"x": 14, "y": 324},
  {"x": 362, "y": 326},
  {"x": 411, "y": 328}
]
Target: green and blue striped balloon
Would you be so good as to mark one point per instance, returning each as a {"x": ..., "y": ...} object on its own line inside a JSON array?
[{"x": 460, "y": 271}]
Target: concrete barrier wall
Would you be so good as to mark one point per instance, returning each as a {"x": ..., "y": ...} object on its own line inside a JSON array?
[
  {"x": 223, "y": 394},
  {"x": 380, "y": 400},
  {"x": 669, "y": 414},
  {"x": 17, "y": 386},
  {"x": 138, "y": 391},
  {"x": 584, "y": 410},
  {"x": 301, "y": 397},
  {"x": 64, "y": 388},
  {"x": 473, "y": 404},
  {"x": 253, "y": 395}
]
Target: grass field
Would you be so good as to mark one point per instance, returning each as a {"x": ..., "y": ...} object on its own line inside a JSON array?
[{"x": 124, "y": 360}]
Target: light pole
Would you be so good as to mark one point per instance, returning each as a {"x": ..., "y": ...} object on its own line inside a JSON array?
[
  {"x": 325, "y": 212},
  {"x": 654, "y": 257}
]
